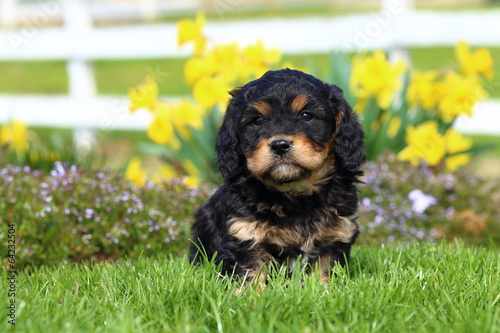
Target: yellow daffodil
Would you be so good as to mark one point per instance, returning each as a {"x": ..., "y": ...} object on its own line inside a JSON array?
[
  {"x": 458, "y": 95},
  {"x": 135, "y": 173},
  {"x": 186, "y": 115},
  {"x": 422, "y": 90},
  {"x": 457, "y": 145},
  {"x": 425, "y": 143},
  {"x": 375, "y": 77},
  {"x": 456, "y": 142},
  {"x": 161, "y": 128},
  {"x": 192, "y": 31},
  {"x": 477, "y": 62},
  {"x": 257, "y": 53},
  {"x": 15, "y": 135},
  {"x": 209, "y": 91},
  {"x": 165, "y": 172},
  {"x": 196, "y": 68},
  {"x": 229, "y": 61},
  {"x": 259, "y": 59},
  {"x": 193, "y": 174},
  {"x": 145, "y": 95},
  {"x": 454, "y": 162}
]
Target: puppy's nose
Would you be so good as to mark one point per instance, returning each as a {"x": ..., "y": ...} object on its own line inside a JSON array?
[{"x": 281, "y": 147}]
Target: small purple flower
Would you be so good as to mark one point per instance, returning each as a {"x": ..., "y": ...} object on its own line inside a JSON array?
[
  {"x": 421, "y": 201},
  {"x": 89, "y": 213},
  {"x": 366, "y": 203},
  {"x": 58, "y": 170}
]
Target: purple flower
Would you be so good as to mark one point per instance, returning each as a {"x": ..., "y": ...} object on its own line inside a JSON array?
[
  {"x": 89, "y": 213},
  {"x": 58, "y": 170},
  {"x": 421, "y": 201}
]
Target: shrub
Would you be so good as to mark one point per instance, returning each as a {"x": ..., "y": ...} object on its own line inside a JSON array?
[
  {"x": 403, "y": 202},
  {"x": 74, "y": 215}
]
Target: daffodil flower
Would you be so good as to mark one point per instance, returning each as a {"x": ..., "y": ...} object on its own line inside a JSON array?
[
  {"x": 375, "y": 77},
  {"x": 15, "y": 135},
  {"x": 424, "y": 143},
  {"x": 135, "y": 173},
  {"x": 145, "y": 95},
  {"x": 477, "y": 62}
]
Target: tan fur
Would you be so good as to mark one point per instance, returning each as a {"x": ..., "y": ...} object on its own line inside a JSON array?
[
  {"x": 324, "y": 269},
  {"x": 299, "y": 102},
  {"x": 338, "y": 120},
  {"x": 340, "y": 229},
  {"x": 258, "y": 276},
  {"x": 304, "y": 155},
  {"x": 262, "y": 107}
]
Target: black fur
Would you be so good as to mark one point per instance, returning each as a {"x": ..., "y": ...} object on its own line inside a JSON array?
[{"x": 244, "y": 196}]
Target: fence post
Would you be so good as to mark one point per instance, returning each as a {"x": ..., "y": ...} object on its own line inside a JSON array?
[
  {"x": 8, "y": 13},
  {"x": 402, "y": 8},
  {"x": 77, "y": 22},
  {"x": 81, "y": 81},
  {"x": 148, "y": 9}
]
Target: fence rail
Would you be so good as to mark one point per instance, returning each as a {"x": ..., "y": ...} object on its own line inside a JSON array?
[{"x": 79, "y": 43}]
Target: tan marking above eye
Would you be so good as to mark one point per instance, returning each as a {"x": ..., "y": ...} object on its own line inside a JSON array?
[
  {"x": 262, "y": 107},
  {"x": 299, "y": 102}
]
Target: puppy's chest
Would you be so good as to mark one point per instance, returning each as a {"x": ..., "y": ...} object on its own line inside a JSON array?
[{"x": 307, "y": 240}]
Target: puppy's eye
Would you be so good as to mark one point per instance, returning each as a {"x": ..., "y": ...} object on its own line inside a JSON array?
[
  {"x": 305, "y": 116},
  {"x": 258, "y": 121}
]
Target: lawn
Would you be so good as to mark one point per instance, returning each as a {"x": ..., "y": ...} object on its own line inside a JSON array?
[
  {"x": 397, "y": 288},
  {"x": 116, "y": 77}
]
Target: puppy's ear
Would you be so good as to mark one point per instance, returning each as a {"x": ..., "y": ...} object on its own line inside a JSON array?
[
  {"x": 229, "y": 157},
  {"x": 349, "y": 136}
]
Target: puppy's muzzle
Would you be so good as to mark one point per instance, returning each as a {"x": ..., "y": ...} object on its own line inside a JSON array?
[{"x": 280, "y": 147}]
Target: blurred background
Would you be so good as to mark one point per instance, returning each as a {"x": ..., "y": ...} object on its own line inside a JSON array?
[
  {"x": 131, "y": 94},
  {"x": 66, "y": 66}
]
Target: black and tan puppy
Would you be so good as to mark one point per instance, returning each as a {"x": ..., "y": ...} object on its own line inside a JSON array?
[{"x": 289, "y": 149}]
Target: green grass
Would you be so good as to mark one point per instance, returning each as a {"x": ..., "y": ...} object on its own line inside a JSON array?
[
  {"x": 117, "y": 76},
  {"x": 33, "y": 77},
  {"x": 417, "y": 288}
]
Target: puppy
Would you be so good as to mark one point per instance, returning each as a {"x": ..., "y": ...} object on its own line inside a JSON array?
[{"x": 290, "y": 151}]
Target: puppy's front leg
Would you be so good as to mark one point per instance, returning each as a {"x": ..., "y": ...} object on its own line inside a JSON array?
[
  {"x": 256, "y": 276},
  {"x": 337, "y": 254}
]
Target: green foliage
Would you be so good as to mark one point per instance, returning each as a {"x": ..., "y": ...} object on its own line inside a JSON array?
[
  {"x": 416, "y": 288},
  {"x": 72, "y": 215},
  {"x": 75, "y": 215}
]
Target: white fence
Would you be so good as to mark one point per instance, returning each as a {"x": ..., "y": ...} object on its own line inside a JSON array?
[{"x": 79, "y": 43}]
